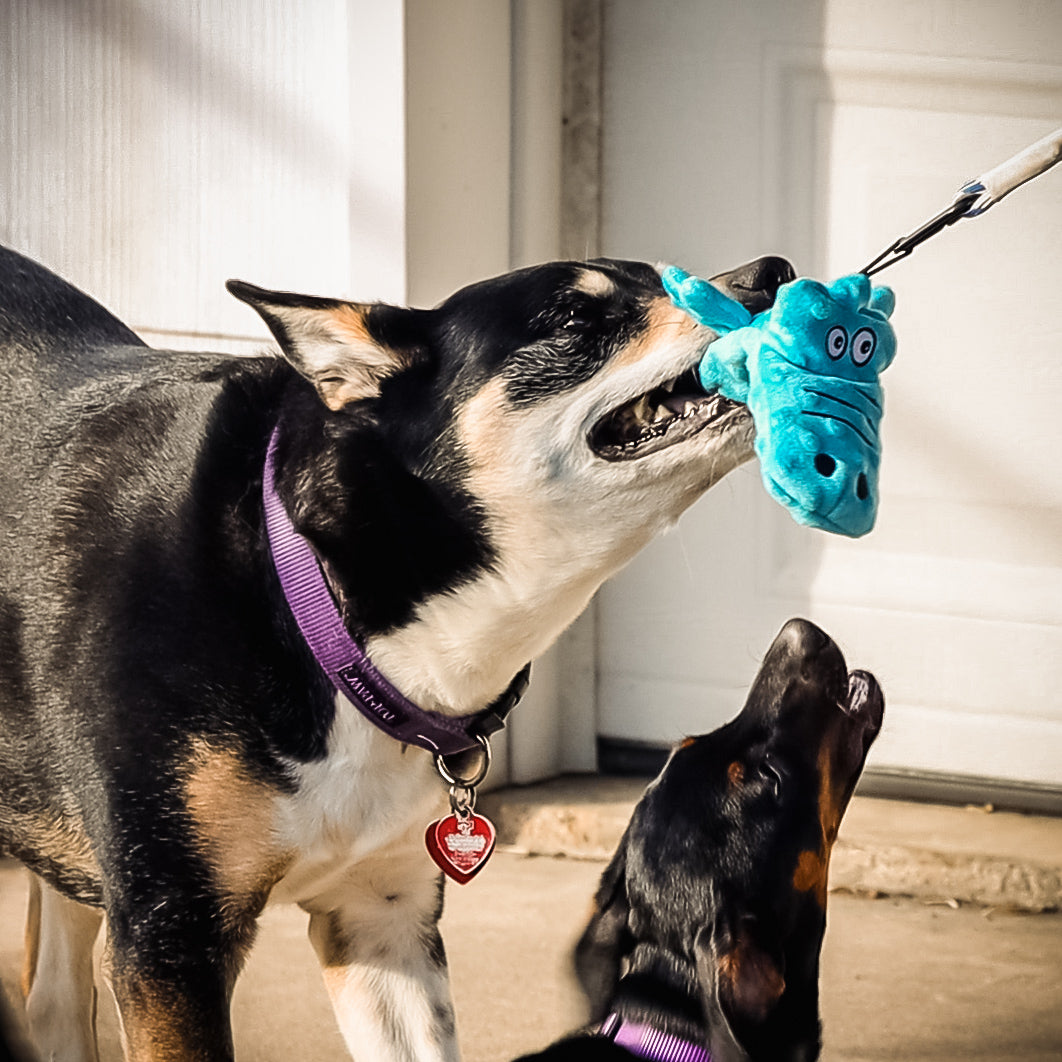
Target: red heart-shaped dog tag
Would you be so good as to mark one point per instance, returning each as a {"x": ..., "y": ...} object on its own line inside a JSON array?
[{"x": 460, "y": 844}]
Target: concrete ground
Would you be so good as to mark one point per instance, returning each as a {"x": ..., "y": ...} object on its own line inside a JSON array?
[{"x": 924, "y": 977}]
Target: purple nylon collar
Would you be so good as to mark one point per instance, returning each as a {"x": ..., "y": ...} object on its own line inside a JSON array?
[
  {"x": 646, "y": 1042},
  {"x": 345, "y": 662}
]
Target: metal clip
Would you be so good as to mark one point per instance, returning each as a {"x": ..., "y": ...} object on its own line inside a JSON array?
[{"x": 906, "y": 244}]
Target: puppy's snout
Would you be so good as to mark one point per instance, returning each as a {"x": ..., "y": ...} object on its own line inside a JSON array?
[{"x": 802, "y": 637}]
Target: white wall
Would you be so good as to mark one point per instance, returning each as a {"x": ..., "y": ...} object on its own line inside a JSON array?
[{"x": 823, "y": 129}]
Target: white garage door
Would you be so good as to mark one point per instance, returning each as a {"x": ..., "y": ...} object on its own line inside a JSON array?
[{"x": 823, "y": 132}]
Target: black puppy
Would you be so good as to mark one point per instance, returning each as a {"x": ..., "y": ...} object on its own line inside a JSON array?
[
  {"x": 708, "y": 922},
  {"x": 458, "y": 482}
]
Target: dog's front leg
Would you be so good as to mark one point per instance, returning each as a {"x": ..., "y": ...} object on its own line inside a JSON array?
[
  {"x": 377, "y": 937},
  {"x": 173, "y": 967}
]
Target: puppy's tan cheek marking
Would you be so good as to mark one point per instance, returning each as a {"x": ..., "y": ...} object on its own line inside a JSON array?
[
  {"x": 232, "y": 814},
  {"x": 811, "y": 875},
  {"x": 812, "y": 869},
  {"x": 829, "y": 798},
  {"x": 665, "y": 324}
]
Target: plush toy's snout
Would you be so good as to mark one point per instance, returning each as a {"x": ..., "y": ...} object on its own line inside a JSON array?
[{"x": 819, "y": 453}]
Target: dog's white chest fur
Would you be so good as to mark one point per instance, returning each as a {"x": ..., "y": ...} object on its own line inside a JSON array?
[{"x": 368, "y": 793}]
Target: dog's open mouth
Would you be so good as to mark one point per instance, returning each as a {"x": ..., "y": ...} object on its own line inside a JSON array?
[{"x": 668, "y": 414}]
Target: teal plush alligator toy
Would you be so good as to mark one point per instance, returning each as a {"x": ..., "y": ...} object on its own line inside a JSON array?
[
  {"x": 808, "y": 367},
  {"x": 808, "y": 370}
]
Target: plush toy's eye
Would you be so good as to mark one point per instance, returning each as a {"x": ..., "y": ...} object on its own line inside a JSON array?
[
  {"x": 836, "y": 342},
  {"x": 863, "y": 344}
]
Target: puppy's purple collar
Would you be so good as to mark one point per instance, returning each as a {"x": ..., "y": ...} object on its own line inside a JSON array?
[
  {"x": 646, "y": 1042},
  {"x": 345, "y": 662}
]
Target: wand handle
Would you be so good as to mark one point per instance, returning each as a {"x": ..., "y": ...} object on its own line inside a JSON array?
[{"x": 1001, "y": 180}]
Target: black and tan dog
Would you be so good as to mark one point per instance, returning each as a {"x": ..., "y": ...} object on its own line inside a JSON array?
[
  {"x": 171, "y": 754},
  {"x": 704, "y": 945}
]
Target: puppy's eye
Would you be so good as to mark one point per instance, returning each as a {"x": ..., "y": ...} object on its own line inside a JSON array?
[{"x": 772, "y": 776}]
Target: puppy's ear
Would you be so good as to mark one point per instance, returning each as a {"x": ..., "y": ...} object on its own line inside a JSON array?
[
  {"x": 741, "y": 974},
  {"x": 345, "y": 349},
  {"x": 607, "y": 939}
]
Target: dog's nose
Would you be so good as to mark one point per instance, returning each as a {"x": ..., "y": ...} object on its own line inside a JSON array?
[
  {"x": 755, "y": 284},
  {"x": 802, "y": 636}
]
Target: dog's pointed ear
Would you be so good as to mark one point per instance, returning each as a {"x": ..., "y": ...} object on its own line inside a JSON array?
[
  {"x": 607, "y": 939},
  {"x": 345, "y": 349},
  {"x": 742, "y": 976}
]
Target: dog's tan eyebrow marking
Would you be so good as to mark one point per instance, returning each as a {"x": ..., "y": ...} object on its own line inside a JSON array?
[
  {"x": 593, "y": 282},
  {"x": 735, "y": 774}
]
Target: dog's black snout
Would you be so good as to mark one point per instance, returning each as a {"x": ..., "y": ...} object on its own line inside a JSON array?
[
  {"x": 772, "y": 271},
  {"x": 755, "y": 284},
  {"x": 803, "y": 636}
]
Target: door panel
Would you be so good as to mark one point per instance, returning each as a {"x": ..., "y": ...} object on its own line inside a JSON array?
[{"x": 955, "y": 599}]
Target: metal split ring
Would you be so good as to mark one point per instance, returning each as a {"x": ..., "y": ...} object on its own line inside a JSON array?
[{"x": 466, "y": 783}]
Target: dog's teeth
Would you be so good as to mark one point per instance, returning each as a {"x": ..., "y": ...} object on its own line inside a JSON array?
[
  {"x": 688, "y": 408},
  {"x": 641, "y": 410},
  {"x": 662, "y": 413}
]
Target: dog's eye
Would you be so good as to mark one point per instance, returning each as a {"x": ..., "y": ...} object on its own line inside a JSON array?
[
  {"x": 579, "y": 319},
  {"x": 772, "y": 776}
]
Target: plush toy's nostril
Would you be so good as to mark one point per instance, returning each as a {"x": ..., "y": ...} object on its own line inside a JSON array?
[
  {"x": 862, "y": 490},
  {"x": 825, "y": 465}
]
